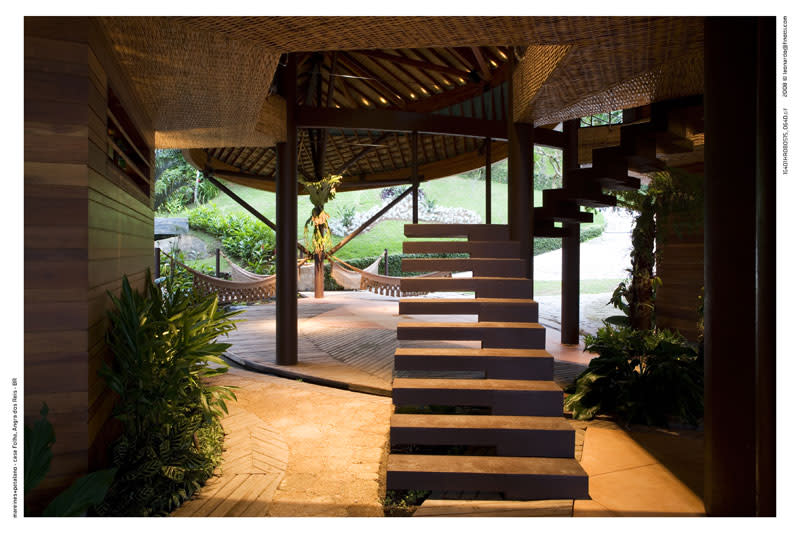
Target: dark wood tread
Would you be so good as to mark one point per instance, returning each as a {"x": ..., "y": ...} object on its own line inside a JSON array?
[
  {"x": 488, "y": 422},
  {"x": 483, "y": 286},
  {"x": 469, "y": 326},
  {"x": 514, "y": 353},
  {"x": 476, "y": 384},
  {"x": 499, "y": 267},
  {"x": 485, "y": 464},
  {"x": 487, "y": 232},
  {"x": 476, "y": 249}
]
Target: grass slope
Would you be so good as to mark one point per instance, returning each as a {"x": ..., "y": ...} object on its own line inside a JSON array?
[{"x": 455, "y": 191}]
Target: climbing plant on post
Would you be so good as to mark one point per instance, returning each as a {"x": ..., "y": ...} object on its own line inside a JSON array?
[{"x": 318, "y": 239}]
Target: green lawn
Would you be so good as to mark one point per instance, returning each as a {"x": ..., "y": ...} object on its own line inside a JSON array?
[
  {"x": 588, "y": 286},
  {"x": 454, "y": 191}
]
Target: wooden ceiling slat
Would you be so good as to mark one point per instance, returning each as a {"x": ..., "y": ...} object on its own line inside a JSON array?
[
  {"x": 423, "y": 65},
  {"x": 484, "y": 68},
  {"x": 389, "y": 93},
  {"x": 431, "y": 81},
  {"x": 404, "y": 88}
]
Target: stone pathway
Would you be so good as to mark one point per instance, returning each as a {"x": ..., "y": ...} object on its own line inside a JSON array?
[{"x": 297, "y": 449}]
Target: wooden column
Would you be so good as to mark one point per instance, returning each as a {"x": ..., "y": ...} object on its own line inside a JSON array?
[
  {"x": 520, "y": 182},
  {"x": 520, "y": 191},
  {"x": 488, "y": 175},
  {"x": 414, "y": 177},
  {"x": 286, "y": 234},
  {"x": 570, "y": 248},
  {"x": 739, "y": 267}
]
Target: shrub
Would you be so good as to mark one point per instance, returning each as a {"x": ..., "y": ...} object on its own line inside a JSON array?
[
  {"x": 175, "y": 183},
  {"x": 640, "y": 376},
  {"x": 164, "y": 346},
  {"x": 244, "y": 239}
]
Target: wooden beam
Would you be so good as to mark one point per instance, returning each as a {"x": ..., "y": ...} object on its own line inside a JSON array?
[
  {"x": 369, "y": 222},
  {"x": 415, "y": 177},
  {"x": 377, "y": 84},
  {"x": 476, "y": 51},
  {"x": 488, "y": 175},
  {"x": 391, "y": 120},
  {"x": 422, "y": 65}
]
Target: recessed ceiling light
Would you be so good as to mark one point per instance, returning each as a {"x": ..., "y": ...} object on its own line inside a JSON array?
[
  {"x": 502, "y": 54},
  {"x": 384, "y": 100},
  {"x": 423, "y": 90},
  {"x": 492, "y": 62},
  {"x": 446, "y": 81},
  {"x": 365, "y": 101},
  {"x": 436, "y": 87},
  {"x": 461, "y": 80},
  {"x": 412, "y": 96}
]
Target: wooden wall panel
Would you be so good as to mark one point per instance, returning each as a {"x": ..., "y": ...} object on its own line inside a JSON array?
[
  {"x": 120, "y": 229},
  {"x": 86, "y": 225},
  {"x": 679, "y": 264},
  {"x": 56, "y": 242}
]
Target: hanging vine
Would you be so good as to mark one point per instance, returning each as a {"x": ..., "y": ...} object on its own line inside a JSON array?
[{"x": 318, "y": 239}]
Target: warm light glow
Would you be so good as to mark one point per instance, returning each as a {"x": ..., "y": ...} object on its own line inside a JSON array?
[
  {"x": 413, "y": 96},
  {"x": 383, "y": 100},
  {"x": 461, "y": 80},
  {"x": 502, "y": 54},
  {"x": 436, "y": 87},
  {"x": 423, "y": 90},
  {"x": 446, "y": 82},
  {"x": 338, "y": 106},
  {"x": 365, "y": 101},
  {"x": 492, "y": 62}
]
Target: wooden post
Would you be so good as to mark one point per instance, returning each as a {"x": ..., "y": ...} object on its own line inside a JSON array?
[
  {"x": 157, "y": 263},
  {"x": 414, "y": 178},
  {"x": 520, "y": 183},
  {"x": 217, "y": 273},
  {"x": 319, "y": 275},
  {"x": 385, "y": 261},
  {"x": 570, "y": 247},
  {"x": 286, "y": 234},
  {"x": 488, "y": 175},
  {"x": 739, "y": 302}
]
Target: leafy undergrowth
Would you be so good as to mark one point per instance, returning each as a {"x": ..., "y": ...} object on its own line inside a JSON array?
[{"x": 403, "y": 502}]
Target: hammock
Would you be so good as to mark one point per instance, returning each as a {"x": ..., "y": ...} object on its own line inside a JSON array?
[
  {"x": 245, "y": 286},
  {"x": 371, "y": 281}
]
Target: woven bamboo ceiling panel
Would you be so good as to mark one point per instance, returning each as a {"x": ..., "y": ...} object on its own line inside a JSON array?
[
  {"x": 628, "y": 64},
  {"x": 206, "y": 80},
  {"x": 200, "y": 89}
]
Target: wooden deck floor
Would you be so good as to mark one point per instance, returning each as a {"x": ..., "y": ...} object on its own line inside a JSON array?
[{"x": 346, "y": 340}]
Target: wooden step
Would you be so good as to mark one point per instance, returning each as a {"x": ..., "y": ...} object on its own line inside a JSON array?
[
  {"x": 487, "y": 309},
  {"x": 504, "y": 268},
  {"x": 518, "y": 478},
  {"x": 473, "y": 232},
  {"x": 589, "y": 196},
  {"x": 496, "y": 363},
  {"x": 503, "y": 396},
  {"x": 562, "y": 212},
  {"x": 547, "y": 229},
  {"x": 517, "y": 436},
  {"x": 618, "y": 181},
  {"x": 475, "y": 249},
  {"x": 492, "y": 334},
  {"x": 483, "y": 286}
]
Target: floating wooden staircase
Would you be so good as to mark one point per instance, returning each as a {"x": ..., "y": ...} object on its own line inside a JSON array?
[
  {"x": 505, "y": 432},
  {"x": 666, "y": 133}
]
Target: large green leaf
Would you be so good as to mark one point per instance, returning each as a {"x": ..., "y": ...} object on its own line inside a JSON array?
[
  {"x": 38, "y": 454},
  {"x": 85, "y": 492}
]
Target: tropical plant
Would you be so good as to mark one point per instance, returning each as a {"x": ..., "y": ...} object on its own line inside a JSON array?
[
  {"x": 243, "y": 238},
  {"x": 84, "y": 493},
  {"x": 164, "y": 342},
  {"x": 346, "y": 214},
  {"x": 178, "y": 184},
  {"x": 648, "y": 377},
  {"x": 319, "y": 192}
]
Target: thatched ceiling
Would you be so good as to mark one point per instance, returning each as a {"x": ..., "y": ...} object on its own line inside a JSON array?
[{"x": 210, "y": 82}]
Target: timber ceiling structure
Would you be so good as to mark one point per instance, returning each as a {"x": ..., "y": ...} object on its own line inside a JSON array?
[{"x": 210, "y": 84}]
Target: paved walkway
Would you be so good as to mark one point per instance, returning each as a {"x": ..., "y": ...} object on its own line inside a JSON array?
[{"x": 297, "y": 449}]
